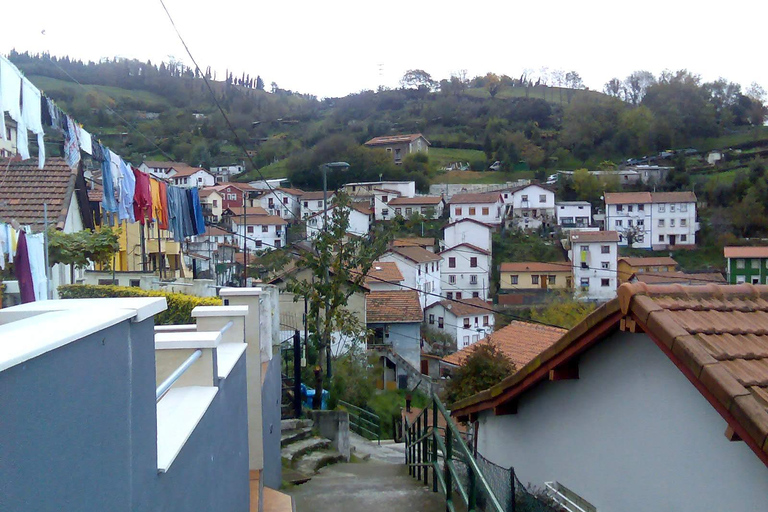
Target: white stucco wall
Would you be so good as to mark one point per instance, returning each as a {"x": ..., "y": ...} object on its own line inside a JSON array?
[
  {"x": 468, "y": 232},
  {"x": 495, "y": 212},
  {"x": 632, "y": 434},
  {"x": 462, "y": 273}
]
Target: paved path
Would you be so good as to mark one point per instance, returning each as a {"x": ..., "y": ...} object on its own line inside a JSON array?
[
  {"x": 365, "y": 487},
  {"x": 394, "y": 453}
]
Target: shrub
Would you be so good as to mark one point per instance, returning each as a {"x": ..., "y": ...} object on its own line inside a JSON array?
[{"x": 180, "y": 305}]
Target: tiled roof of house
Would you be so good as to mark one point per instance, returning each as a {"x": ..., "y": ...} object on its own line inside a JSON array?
[
  {"x": 183, "y": 170},
  {"x": 746, "y": 252},
  {"x": 362, "y": 207},
  {"x": 465, "y": 307},
  {"x": 394, "y": 139},
  {"x": 717, "y": 335},
  {"x": 24, "y": 189},
  {"x": 416, "y": 254},
  {"x": 384, "y": 271},
  {"x": 207, "y": 191},
  {"x": 386, "y": 307},
  {"x": 468, "y": 246},
  {"x": 418, "y": 200},
  {"x": 481, "y": 198},
  {"x": 215, "y": 231},
  {"x": 261, "y": 220},
  {"x": 594, "y": 236},
  {"x": 535, "y": 266},
  {"x": 654, "y": 261},
  {"x": 315, "y": 195},
  {"x": 678, "y": 278},
  {"x": 237, "y": 211},
  {"x": 413, "y": 242},
  {"x": 95, "y": 194},
  {"x": 520, "y": 341},
  {"x": 292, "y": 191},
  {"x": 649, "y": 197},
  {"x": 673, "y": 197},
  {"x": 489, "y": 226}
]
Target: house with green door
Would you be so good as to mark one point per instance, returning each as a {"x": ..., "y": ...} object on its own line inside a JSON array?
[{"x": 747, "y": 265}]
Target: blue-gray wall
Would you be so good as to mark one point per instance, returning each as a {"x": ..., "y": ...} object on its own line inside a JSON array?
[
  {"x": 78, "y": 433},
  {"x": 271, "y": 396},
  {"x": 404, "y": 339}
]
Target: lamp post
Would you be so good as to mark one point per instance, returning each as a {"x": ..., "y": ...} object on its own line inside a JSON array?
[{"x": 324, "y": 168}]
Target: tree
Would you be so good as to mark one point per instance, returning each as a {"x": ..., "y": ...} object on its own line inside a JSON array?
[
  {"x": 339, "y": 264},
  {"x": 633, "y": 234},
  {"x": 417, "y": 79},
  {"x": 259, "y": 83},
  {"x": 485, "y": 366},
  {"x": 493, "y": 84},
  {"x": 613, "y": 87},
  {"x": 563, "y": 310},
  {"x": 636, "y": 84},
  {"x": 80, "y": 248}
]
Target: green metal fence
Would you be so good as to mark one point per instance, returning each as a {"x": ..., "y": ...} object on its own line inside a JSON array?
[{"x": 364, "y": 422}]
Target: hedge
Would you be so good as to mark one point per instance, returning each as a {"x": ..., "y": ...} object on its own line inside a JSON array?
[{"x": 180, "y": 305}]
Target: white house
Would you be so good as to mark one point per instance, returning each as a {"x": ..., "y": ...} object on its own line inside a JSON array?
[
  {"x": 531, "y": 206},
  {"x": 653, "y": 402},
  {"x": 224, "y": 173},
  {"x": 594, "y": 256},
  {"x": 403, "y": 188},
  {"x": 467, "y": 321},
  {"x": 652, "y": 220},
  {"x": 360, "y": 218},
  {"x": 430, "y": 207},
  {"x": 160, "y": 169},
  {"x": 486, "y": 207},
  {"x": 466, "y": 272},
  {"x": 420, "y": 270},
  {"x": 283, "y": 202},
  {"x": 573, "y": 214},
  {"x": 469, "y": 231},
  {"x": 261, "y": 232},
  {"x": 189, "y": 177},
  {"x": 312, "y": 202}
]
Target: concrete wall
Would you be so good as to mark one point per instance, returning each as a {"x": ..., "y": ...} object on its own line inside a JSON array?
[
  {"x": 334, "y": 425},
  {"x": 405, "y": 340},
  {"x": 631, "y": 434},
  {"x": 271, "y": 395},
  {"x": 150, "y": 281}
]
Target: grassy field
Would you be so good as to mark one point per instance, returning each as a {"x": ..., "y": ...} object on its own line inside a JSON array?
[
  {"x": 104, "y": 95},
  {"x": 275, "y": 170},
  {"x": 550, "y": 94},
  {"x": 440, "y": 157},
  {"x": 733, "y": 139},
  {"x": 460, "y": 177}
]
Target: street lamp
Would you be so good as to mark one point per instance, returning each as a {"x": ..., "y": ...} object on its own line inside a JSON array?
[{"x": 324, "y": 168}]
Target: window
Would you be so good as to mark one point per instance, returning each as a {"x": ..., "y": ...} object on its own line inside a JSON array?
[
  {"x": 466, "y": 341},
  {"x": 475, "y": 295},
  {"x": 641, "y": 207},
  {"x": 512, "y": 279},
  {"x": 755, "y": 280},
  {"x": 452, "y": 279},
  {"x": 466, "y": 323},
  {"x": 552, "y": 280},
  {"x": 629, "y": 222},
  {"x": 250, "y": 229},
  {"x": 319, "y": 204},
  {"x": 423, "y": 210},
  {"x": 440, "y": 321},
  {"x": 584, "y": 248},
  {"x": 285, "y": 200},
  {"x": 661, "y": 238},
  {"x": 485, "y": 210},
  {"x": 418, "y": 267},
  {"x": 409, "y": 211},
  {"x": 605, "y": 282},
  {"x": 584, "y": 283},
  {"x": 605, "y": 249},
  {"x": 458, "y": 295},
  {"x": 661, "y": 223},
  {"x": 671, "y": 223},
  {"x": 662, "y": 208},
  {"x": 640, "y": 222},
  {"x": 278, "y": 244},
  {"x": 451, "y": 262},
  {"x": 449, "y": 295},
  {"x": 604, "y": 264},
  {"x": 473, "y": 262},
  {"x": 684, "y": 207},
  {"x": 258, "y": 243},
  {"x": 473, "y": 279},
  {"x": 231, "y": 197},
  {"x": 672, "y": 207},
  {"x": 534, "y": 279},
  {"x": 215, "y": 203},
  {"x": 485, "y": 320},
  {"x": 618, "y": 223},
  {"x": 398, "y": 211},
  {"x": 471, "y": 210},
  {"x": 431, "y": 319},
  {"x": 384, "y": 212},
  {"x": 385, "y": 199},
  {"x": 278, "y": 231},
  {"x": 524, "y": 199},
  {"x": 683, "y": 223},
  {"x": 134, "y": 283},
  {"x": 457, "y": 211},
  {"x": 542, "y": 198},
  {"x": 619, "y": 207},
  {"x": 683, "y": 238},
  {"x": 264, "y": 229},
  {"x": 740, "y": 263},
  {"x": 629, "y": 208}
]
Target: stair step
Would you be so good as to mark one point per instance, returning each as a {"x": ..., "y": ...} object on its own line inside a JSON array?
[
  {"x": 291, "y": 436},
  {"x": 295, "y": 477},
  {"x": 294, "y": 424},
  {"x": 296, "y": 450},
  {"x": 312, "y": 462}
]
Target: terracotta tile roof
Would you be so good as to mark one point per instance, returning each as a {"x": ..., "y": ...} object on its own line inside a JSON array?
[
  {"x": 182, "y": 171},
  {"x": 261, "y": 220},
  {"x": 95, "y": 194},
  {"x": 237, "y": 211},
  {"x": 394, "y": 139},
  {"x": 205, "y": 192},
  {"x": 416, "y": 254},
  {"x": 413, "y": 242},
  {"x": 717, "y": 335},
  {"x": 678, "y": 278},
  {"x": 627, "y": 197},
  {"x": 24, "y": 189},
  {"x": 465, "y": 307},
  {"x": 535, "y": 266},
  {"x": 489, "y": 226},
  {"x": 384, "y": 271},
  {"x": 292, "y": 191},
  {"x": 315, "y": 195},
  {"x": 746, "y": 252},
  {"x": 486, "y": 197},
  {"x": 163, "y": 165},
  {"x": 468, "y": 246},
  {"x": 655, "y": 261},
  {"x": 418, "y": 200},
  {"x": 214, "y": 231},
  {"x": 396, "y": 307},
  {"x": 594, "y": 236},
  {"x": 673, "y": 197},
  {"x": 520, "y": 341},
  {"x": 362, "y": 208}
]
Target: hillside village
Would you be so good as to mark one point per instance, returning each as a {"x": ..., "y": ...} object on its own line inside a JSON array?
[{"x": 622, "y": 298}]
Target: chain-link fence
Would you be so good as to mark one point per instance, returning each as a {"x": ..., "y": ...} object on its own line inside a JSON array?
[{"x": 505, "y": 486}]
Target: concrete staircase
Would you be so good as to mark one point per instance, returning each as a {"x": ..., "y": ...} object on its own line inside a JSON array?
[{"x": 304, "y": 451}]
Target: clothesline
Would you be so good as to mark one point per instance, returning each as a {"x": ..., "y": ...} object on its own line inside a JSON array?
[{"x": 27, "y": 253}]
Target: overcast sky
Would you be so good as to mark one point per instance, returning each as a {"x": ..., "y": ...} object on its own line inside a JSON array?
[{"x": 337, "y": 47}]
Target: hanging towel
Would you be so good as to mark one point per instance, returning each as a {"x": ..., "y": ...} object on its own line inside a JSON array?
[
  {"x": 10, "y": 92},
  {"x": 127, "y": 183},
  {"x": 5, "y": 244},
  {"x": 23, "y": 270},
  {"x": 163, "y": 219},
  {"x": 36, "y": 251},
  {"x": 157, "y": 206},
  {"x": 197, "y": 211},
  {"x": 86, "y": 144},
  {"x": 174, "y": 224},
  {"x": 32, "y": 115},
  {"x": 142, "y": 197},
  {"x": 71, "y": 144},
  {"x": 108, "y": 201}
]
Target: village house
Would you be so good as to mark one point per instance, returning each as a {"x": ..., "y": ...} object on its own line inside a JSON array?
[
  {"x": 360, "y": 218},
  {"x": 573, "y": 214},
  {"x": 628, "y": 266},
  {"x": 469, "y": 231},
  {"x": 466, "y": 272},
  {"x": 224, "y": 173},
  {"x": 259, "y": 232},
  {"x": 384, "y": 276},
  {"x": 283, "y": 202},
  {"x": 661, "y": 387},
  {"x": 237, "y": 195},
  {"x": 312, "y": 203},
  {"x": 430, "y": 207},
  {"x": 652, "y": 220},
  {"x": 179, "y": 174},
  {"x": 487, "y": 208},
  {"x": 533, "y": 275},
  {"x": 377, "y": 198},
  {"x": 8, "y": 146},
  {"x": 747, "y": 264},
  {"x": 593, "y": 257},
  {"x": 531, "y": 206},
  {"x": 420, "y": 269},
  {"x": 400, "y": 145},
  {"x": 415, "y": 241},
  {"x": 365, "y": 189},
  {"x": 466, "y": 322},
  {"x": 212, "y": 203}
]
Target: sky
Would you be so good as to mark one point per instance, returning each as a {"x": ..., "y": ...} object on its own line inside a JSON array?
[{"x": 338, "y": 47}]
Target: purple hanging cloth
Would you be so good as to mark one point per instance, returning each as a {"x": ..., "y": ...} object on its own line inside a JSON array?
[{"x": 23, "y": 270}]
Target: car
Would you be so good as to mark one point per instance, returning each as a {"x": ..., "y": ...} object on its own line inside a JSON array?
[{"x": 495, "y": 166}]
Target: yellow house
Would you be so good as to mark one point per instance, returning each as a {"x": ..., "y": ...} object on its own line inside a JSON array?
[
  {"x": 629, "y": 266},
  {"x": 212, "y": 202},
  {"x": 129, "y": 256},
  {"x": 533, "y": 275}
]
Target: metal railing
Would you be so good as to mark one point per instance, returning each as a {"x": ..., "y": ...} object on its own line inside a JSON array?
[
  {"x": 178, "y": 372},
  {"x": 363, "y": 422},
  {"x": 427, "y": 445}
]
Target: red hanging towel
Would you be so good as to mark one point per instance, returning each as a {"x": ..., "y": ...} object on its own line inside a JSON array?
[
  {"x": 23, "y": 270},
  {"x": 142, "y": 197}
]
